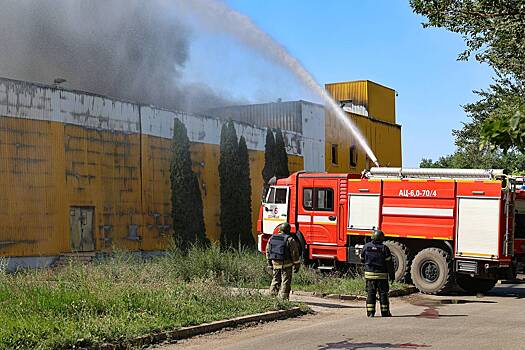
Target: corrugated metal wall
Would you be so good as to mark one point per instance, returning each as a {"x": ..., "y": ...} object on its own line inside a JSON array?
[
  {"x": 378, "y": 100},
  {"x": 357, "y": 91},
  {"x": 77, "y": 150},
  {"x": 283, "y": 115},
  {"x": 381, "y": 102}
]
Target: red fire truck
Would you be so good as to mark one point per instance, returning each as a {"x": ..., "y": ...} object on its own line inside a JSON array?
[
  {"x": 519, "y": 218},
  {"x": 441, "y": 225}
]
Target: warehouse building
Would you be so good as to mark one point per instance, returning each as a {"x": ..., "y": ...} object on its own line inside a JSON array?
[
  {"x": 369, "y": 105},
  {"x": 85, "y": 173}
]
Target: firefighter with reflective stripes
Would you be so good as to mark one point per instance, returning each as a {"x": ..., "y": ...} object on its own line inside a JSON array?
[
  {"x": 282, "y": 253},
  {"x": 379, "y": 268}
]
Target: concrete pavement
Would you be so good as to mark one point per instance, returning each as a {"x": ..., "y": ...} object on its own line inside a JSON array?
[{"x": 495, "y": 321}]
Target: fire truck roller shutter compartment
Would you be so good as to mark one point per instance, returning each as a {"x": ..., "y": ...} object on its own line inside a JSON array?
[
  {"x": 275, "y": 208},
  {"x": 363, "y": 211},
  {"x": 478, "y": 227}
]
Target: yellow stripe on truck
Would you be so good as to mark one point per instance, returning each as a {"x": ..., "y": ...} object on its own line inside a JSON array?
[{"x": 477, "y": 254}]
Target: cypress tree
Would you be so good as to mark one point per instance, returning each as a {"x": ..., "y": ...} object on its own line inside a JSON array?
[
  {"x": 281, "y": 157},
  {"x": 186, "y": 200},
  {"x": 245, "y": 200},
  {"x": 229, "y": 190},
  {"x": 269, "y": 164}
]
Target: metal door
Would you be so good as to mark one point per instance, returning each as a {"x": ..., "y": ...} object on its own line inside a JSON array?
[
  {"x": 324, "y": 211},
  {"x": 81, "y": 224}
]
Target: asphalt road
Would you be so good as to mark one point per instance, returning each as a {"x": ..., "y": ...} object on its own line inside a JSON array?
[{"x": 494, "y": 321}]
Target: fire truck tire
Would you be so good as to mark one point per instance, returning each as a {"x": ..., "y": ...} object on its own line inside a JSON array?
[
  {"x": 475, "y": 285},
  {"x": 431, "y": 271},
  {"x": 402, "y": 264}
]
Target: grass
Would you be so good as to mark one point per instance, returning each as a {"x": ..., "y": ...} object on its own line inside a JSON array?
[
  {"x": 123, "y": 296},
  {"x": 309, "y": 280},
  {"x": 84, "y": 305},
  {"x": 247, "y": 269}
]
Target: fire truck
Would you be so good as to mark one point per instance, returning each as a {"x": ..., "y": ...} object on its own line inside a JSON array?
[
  {"x": 443, "y": 226},
  {"x": 519, "y": 230}
]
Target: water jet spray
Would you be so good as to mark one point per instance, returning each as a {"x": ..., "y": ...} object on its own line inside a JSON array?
[{"x": 218, "y": 16}]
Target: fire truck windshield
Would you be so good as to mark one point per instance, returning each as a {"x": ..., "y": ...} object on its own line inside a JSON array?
[{"x": 277, "y": 196}]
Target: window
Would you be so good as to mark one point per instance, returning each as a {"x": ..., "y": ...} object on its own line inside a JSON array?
[
  {"x": 281, "y": 195},
  {"x": 519, "y": 231},
  {"x": 321, "y": 199},
  {"x": 270, "y": 198},
  {"x": 277, "y": 196},
  {"x": 325, "y": 199},
  {"x": 353, "y": 156},
  {"x": 334, "y": 154},
  {"x": 308, "y": 198}
]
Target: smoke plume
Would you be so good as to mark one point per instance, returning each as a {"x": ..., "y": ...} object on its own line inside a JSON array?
[{"x": 130, "y": 49}]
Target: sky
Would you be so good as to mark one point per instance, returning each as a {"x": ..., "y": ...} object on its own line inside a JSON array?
[{"x": 341, "y": 40}]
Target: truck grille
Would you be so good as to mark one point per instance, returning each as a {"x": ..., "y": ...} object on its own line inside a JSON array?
[{"x": 467, "y": 266}]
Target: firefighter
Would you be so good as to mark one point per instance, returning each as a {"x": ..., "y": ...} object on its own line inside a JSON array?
[
  {"x": 282, "y": 253},
  {"x": 379, "y": 268}
]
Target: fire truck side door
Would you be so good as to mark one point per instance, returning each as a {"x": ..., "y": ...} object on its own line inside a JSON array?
[
  {"x": 275, "y": 208},
  {"x": 304, "y": 207},
  {"x": 324, "y": 212}
]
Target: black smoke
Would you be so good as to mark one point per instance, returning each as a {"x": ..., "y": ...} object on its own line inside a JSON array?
[{"x": 129, "y": 49}]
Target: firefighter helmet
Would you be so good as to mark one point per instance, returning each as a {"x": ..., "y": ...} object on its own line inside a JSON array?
[
  {"x": 378, "y": 236},
  {"x": 285, "y": 228}
]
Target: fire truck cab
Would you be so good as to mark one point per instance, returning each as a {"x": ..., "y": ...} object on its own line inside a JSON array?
[{"x": 442, "y": 225}]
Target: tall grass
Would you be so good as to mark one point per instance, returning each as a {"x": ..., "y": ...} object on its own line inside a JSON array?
[
  {"x": 245, "y": 268},
  {"x": 239, "y": 268},
  {"x": 125, "y": 296},
  {"x": 120, "y": 298}
]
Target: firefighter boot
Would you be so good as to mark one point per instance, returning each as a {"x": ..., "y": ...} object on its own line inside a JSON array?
[
  {"x": 370, "y": 310},
  {"x": 385, "y": 310}
]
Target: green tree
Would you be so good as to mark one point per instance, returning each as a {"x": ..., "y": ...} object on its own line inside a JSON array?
[
  {"x": 245, "y": 200},
  {"x": 187, "y": 209},
  {"x": 280, "y": 157},
  {"x": 229, "y": 186},
  {"x": 472, "y": 153},
  {"x": 494, "y": 33},
  {"x": 269, "y": 163}
]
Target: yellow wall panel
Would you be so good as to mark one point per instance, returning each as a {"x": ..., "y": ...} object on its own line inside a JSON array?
[
  {"x": 29, "y": 193},
  {"x": 381, "y": 102},
  {"x": 357, "y": 91}
]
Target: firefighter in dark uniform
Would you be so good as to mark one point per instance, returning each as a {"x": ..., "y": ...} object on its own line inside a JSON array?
[
  {"x": 283, "y": 255},
  {"x": 379, "y": 268}
]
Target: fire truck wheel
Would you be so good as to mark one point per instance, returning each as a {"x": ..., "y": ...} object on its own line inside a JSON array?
[
  {"x": 431, "y": 270},
  {"x": 401, "y": 263},
  {"x": 475, "y": 285}
]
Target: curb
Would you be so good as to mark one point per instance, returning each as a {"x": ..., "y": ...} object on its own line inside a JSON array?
[
  {"x": 392, "y": 293},
  {"x": 188, "y": 332}
]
